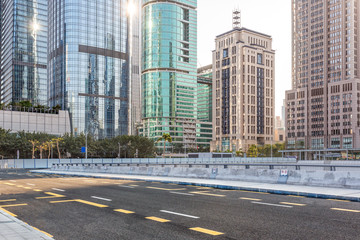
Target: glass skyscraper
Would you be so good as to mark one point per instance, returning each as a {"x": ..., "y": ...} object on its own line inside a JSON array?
[
  {"x": 24, "y": 51},
  {"x": 169, "y": 70},
  {"x": 88, "y": 64}
]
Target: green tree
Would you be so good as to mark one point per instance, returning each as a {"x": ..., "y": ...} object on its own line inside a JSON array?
[
  {"x": 253, "y": 151},
  {"x": 166, "y": 138}
]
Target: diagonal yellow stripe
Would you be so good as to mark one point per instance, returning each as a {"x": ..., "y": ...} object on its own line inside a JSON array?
[
  {"x": 124, "y": 211},
  {"x": 91, "y": 203},
  {"x": 8, "y": 200},
  {"x": 53, "y": 195},
  {"x": 158, "y": 219},
  {"x": 251, "y": 199},
  {"x": 8, "y": 212},
  {"x": 207, "y": 231},
  {"x": 47, "y": 234},
  {"x": 13, "y": 205},
  {"x": 62, "y": 201},
  {"x": 338, "y": 200},
  {"x": 345, "y": 210},
  {"x": 294, "y": 204}
]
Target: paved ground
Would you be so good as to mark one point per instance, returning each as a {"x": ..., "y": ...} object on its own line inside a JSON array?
[{"x": 96, "y": 208}]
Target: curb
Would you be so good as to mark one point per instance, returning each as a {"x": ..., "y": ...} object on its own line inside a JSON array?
[{"x": 225, "y": 187}]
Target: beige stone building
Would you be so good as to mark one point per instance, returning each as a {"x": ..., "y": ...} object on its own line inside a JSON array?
[
  {"x": 322, "y": 109},
  {"x": 243, "y": 90}
]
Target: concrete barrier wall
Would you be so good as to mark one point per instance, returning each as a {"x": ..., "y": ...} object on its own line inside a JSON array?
[{"x": 348, "y": 179}]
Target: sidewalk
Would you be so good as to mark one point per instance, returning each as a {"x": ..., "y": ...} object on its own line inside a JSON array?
[
  {"x": 284, "y": 189},
  {"x": 12, "y": 228}
]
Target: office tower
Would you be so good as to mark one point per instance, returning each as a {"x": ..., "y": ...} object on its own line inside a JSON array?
[
  {"x": 322, "y": 109},
  {"x": 169, "y": 70},
  {"x": 24, "y": 51},
  {"x": 204, "y": 112},
  {"x": 88, "y": 64},
  {"x": 243, "y": 90}
]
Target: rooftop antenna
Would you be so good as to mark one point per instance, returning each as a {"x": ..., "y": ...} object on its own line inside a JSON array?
[{"x": 236, "y": 19}]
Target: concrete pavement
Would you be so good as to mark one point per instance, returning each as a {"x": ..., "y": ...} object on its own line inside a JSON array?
[
  {"x": 283, "y": 189},
  {"x": 13, "y": 229}
]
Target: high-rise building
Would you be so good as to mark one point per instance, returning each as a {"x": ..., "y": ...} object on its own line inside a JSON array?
[
  {"x": 88, "y": 64},
  {"x": 24, "y": 51},
  {"x": 204, "y": 112},
  {"x": 169, "y": 70},
  {"x": 243, "y": 90},
  {"x": 322, "y": 109}
]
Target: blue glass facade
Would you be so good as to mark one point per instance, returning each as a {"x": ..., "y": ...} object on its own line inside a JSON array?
[
  {"x": 169, "y": 69},
  {"x": 88, "y": 64},
  {"x": 24, "y": 51}
]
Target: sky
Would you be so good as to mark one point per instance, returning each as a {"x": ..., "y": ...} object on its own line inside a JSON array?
[{"x": 271, "y": 17}]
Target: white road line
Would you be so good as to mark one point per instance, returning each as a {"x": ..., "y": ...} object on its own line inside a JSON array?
[
  {"x": 180, "y": 214},
  {"x": 126, "y": 186},
  {"x": 105, "y": 199},
  {"x": 30, "y": 184},
  {"x": 180, "y": 193},
  {"x": 12, "y": 180},
  {"x": 271, "y": 204},
  {"x": 56, "y": 189}
]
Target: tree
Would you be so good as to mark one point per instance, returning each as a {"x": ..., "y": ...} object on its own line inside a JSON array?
[
  {"x": 34, "y": 144},
  {"x": 58, "y": 140},
  {"x": 166, "y": 138},
  {"x": 253, "y": 151}
]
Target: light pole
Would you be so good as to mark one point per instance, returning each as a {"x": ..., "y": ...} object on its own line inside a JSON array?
[
  {"x": 271, "y": 147},
  {"x": 86, "y": 146},
  {"x": 119, "y": 150}
]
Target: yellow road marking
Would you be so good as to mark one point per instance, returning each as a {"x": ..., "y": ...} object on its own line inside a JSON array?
[
  {"x": 345, "y": 210},
  {"x": 124, "y": 211},
  {"x": 47, "y": 234},
  {"x": 209, "y": 194},
  {"x": 338, "y": 200},
  {"x": 207, "y": 231},
  {"x": 254, "y": 192},
  {"x": 27, "y": 187},
  {"x": 37, "y": 190},
  {"x": 20, "y": 186},
  {"x": 251, "y": 199},
  {"x": 8, "y": 212},
  {"x": 167, "y": 189},
  {"x": 53, "y": 195},
  {"x": 158, "y": 219},
  {"x": 295, "y": 204},
  {"x": 13, "y": 205},
  {"x": 63, "y": 201},
  {"x": 91, "y": 203},
  {"x": 204, "y": 188},
  {"x": 8, "y": 200},
  {"x": 11, "y": 184}
]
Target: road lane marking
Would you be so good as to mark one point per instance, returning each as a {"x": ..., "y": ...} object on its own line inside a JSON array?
[
  {"x": 158, "y": 219},
  {"x": 63, "y": 201},
  {"x": 180, "y": 193},
  {"x": 251, "y": 199},
  {"x": 47, "y": 234},
  {"x": 37, "y": 190},
  {"x": 345, "y": 210},
  {"x": 30, "y": 184},
  {"x": 167, "y": 189},
  {"x": 125, "y": 186},
  {"x": 100, "y": 198},
  {"x": 10, "y": 184},
  {"x": 12, "y": 180},
  {"x": 204, "y": 188},
  {"x": 179, "y": 214},
  {"x": 92, "y": 203},
  {"x": 8, "y": 200},
  {"x": 57, "y": 189},
  {"x": 338, "y": 200},
  {"x": 13, "y": 205},
  {"x": 271, "y": 204},
  {"x": 27, "y": 187},
  {"x": 53, "y": 195},
  {"x": 124, "y": 211},
  {"x": 254, "y": 192},
  {"x": 209, "y": 194},
  {"x": 8, "y": 212},
  {"x": 207, "y": 231},
  {"x": 294, "y": 204},
  {"x": 296, "y": 196}
]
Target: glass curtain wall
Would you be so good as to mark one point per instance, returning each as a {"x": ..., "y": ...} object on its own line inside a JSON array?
[
  {"x": 24, "y": 51},
  {"x": 169, "y": 70},
  {"x": 88, "y": 64}
]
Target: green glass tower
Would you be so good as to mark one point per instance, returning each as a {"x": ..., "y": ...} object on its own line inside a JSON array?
[{"x": 169, "y": 70}]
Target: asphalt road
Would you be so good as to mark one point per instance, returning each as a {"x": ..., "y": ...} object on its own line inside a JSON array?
[{"x": 93, "y": 208}]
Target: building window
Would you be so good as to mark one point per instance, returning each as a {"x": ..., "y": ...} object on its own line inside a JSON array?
[
  {"x": 226, "y": 53},
  {"x": 260, "y": 58},
  {"x": 347, "y": 143},
  {"x": 335, "y": 143}
]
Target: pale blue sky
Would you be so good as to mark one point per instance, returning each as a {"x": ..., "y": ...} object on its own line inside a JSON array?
[{"x": 272, "y": 17}]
